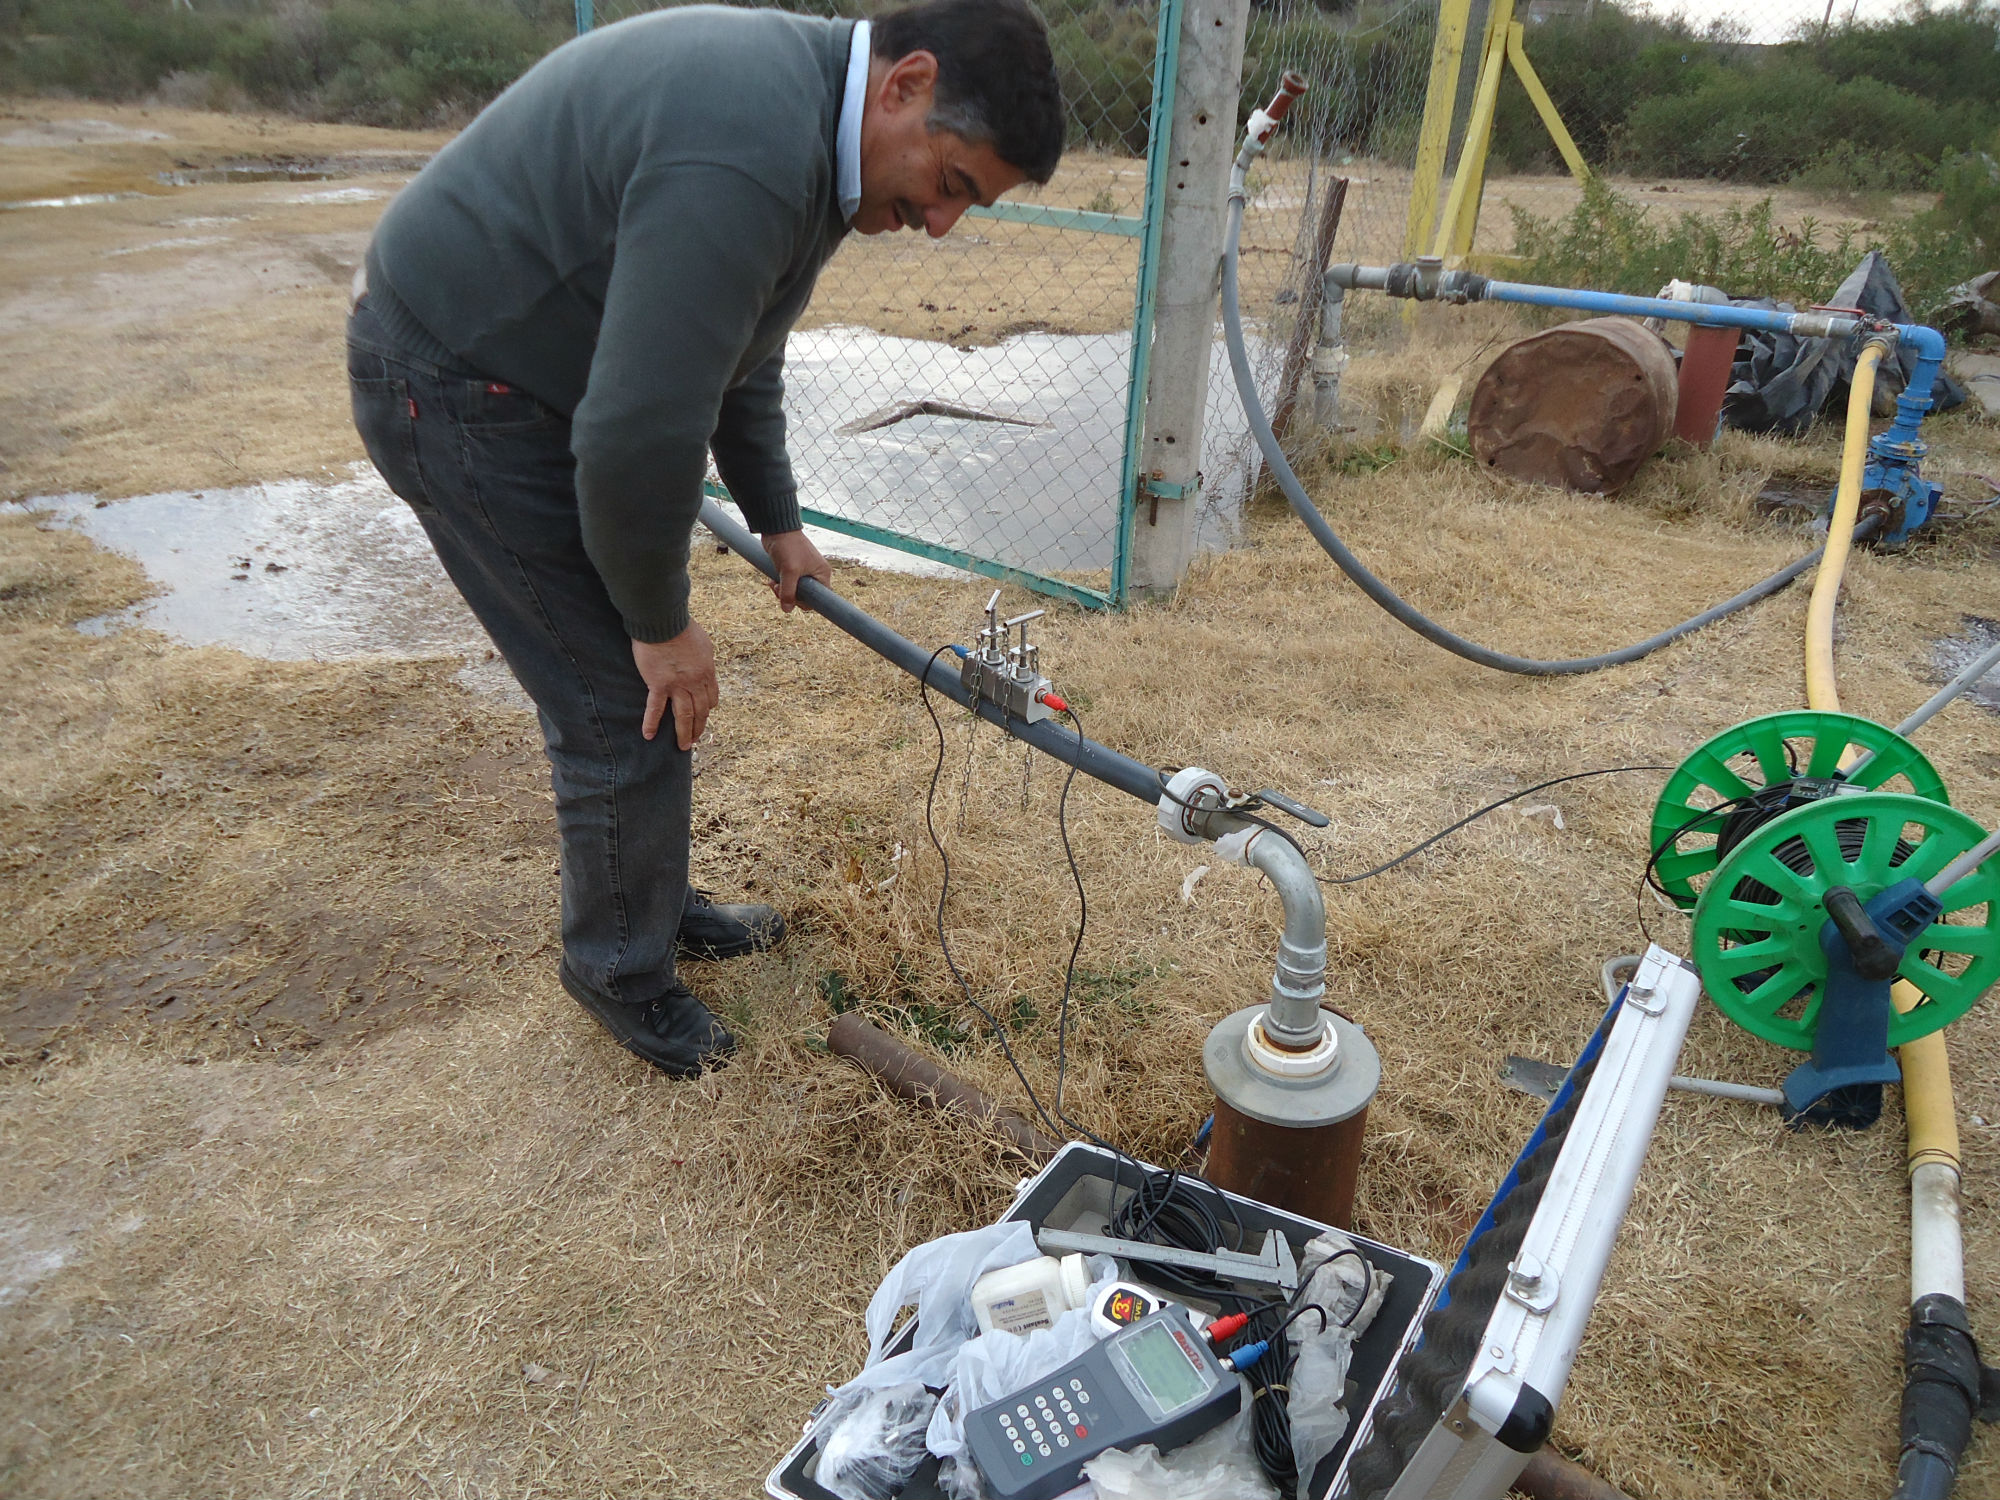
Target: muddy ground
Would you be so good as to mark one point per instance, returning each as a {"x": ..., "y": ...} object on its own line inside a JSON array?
[{"x": 312, "y": 1180}]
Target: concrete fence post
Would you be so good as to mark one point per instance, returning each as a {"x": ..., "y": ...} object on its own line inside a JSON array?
[{"x": 1201, "y": 145}]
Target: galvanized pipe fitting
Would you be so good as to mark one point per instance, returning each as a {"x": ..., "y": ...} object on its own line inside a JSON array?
[{"x": 1295, "y": 1021}]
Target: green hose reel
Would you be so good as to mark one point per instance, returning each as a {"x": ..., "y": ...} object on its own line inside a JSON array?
[
  {"x": 1756, "y": 756},
  {"x": 1761, "y": 917}
]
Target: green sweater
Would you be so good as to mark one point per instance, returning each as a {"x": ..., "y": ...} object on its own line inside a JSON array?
[{"x": 628, "y": 233}]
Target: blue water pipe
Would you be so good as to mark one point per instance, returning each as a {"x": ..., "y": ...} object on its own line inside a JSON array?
[{"x": 1892, "y": 481}]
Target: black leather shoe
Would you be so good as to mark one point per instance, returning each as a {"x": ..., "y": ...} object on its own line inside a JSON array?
[
  {"x": 713, "y": 929},
  {"x": 676, "y": 1033}
]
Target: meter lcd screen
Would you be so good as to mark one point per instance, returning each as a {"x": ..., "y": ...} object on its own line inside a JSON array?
[{"x": 1169, "y": 1376}]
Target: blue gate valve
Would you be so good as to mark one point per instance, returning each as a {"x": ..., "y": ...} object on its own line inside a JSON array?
[{"x": 1892, "y": 482}]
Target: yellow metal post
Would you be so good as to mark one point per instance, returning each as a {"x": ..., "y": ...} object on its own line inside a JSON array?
[
  {"x": 1500, "y": 24},
  {"x": 1461, "y": 208},
  {"x": 1517, "y": 54},
  {"x": 1434, "y": 141}
]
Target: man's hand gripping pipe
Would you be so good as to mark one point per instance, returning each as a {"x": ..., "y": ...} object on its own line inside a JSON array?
[{"x": 1048, "y": 736}]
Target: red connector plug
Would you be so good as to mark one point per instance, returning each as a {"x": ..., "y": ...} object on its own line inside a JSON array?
[
  {"x": 1226, "y": 1328},
  {"x": 1045, "y": 696}
]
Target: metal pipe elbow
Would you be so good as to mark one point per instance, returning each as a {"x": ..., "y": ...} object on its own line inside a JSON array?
[{"x": 1299, "y": 984}]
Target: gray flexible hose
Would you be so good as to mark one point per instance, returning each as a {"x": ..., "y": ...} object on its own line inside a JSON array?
[{"x": 1388, "y": 598}]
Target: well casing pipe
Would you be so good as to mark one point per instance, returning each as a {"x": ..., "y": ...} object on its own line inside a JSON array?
[{"x": 1309, "y": 1171}]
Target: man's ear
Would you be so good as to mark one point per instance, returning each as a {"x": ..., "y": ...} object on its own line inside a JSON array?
[{"x": 911, "y": 79}]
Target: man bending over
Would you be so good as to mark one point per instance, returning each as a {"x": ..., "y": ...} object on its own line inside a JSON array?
[{"x": 586, "y": 294}]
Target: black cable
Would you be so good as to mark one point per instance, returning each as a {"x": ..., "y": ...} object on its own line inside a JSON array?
[
  {"x": 1168, "y": 1210},
  {"x": 1650, "y": 875},
  {"x": 1414, "y": 851},
  {"x": 944, "y": 892}
]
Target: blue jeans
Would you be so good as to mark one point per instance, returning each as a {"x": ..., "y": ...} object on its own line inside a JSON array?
[{"x": 489, "y": 473}]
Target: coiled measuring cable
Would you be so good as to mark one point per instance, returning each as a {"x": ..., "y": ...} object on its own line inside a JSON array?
[{"x": 1397, "y": 606}]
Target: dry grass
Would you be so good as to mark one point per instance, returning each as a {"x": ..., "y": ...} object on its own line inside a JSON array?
[{"x": 305, "y": 1157}]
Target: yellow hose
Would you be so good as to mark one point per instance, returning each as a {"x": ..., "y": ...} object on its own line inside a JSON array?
[
  {"x": 1927, "y": 1099},
  {"x": 1822, "y": 694}
]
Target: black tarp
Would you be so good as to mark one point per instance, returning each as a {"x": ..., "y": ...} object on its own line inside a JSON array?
[{"x": 1780, "y": 383}]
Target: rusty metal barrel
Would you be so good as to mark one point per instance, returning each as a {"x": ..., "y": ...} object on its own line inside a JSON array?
[{"x": 1580, "y": 406}]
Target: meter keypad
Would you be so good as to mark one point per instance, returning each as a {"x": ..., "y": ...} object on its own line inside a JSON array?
[
  {"x": 1032, "y": 1446},
  {"x": 1049, "y": 1424}
]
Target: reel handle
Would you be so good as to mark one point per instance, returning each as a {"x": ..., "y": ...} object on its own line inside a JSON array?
[{"x": 1875, "y": 957}]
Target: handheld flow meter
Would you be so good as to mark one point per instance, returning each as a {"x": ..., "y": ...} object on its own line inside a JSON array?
[{"x": 1153, "y": 1382}]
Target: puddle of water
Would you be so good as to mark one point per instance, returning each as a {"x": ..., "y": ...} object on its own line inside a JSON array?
[
  {"x": 303, "y": 571},
  {"x": 262, "y": 171},
  {"x": 292, "y": 570},
  {"x": 270, "y": 169},
  {"x": 74, "y": 200},
  {"x": 179, "y": 242},
  {"x": 1954, "y": 653},
  {"x": 338, "y": 195},
  {"x": 78, "y": 133}
]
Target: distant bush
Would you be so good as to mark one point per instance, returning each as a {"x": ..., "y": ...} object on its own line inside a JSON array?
[
  {"x": 1771, "y": 123},
  {"x": 383, "y": 62},
  {"x": 1612, "y": 244},
  {"x": 1609, "y": 243},
  {"x": 1656, "y": 96}
]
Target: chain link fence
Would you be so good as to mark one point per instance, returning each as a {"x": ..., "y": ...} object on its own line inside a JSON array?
[
  {"x": 968, "y": 398},
  {"x": 1333, "y": 185}
]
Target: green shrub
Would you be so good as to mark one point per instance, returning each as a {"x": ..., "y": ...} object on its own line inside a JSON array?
[
  {"x": 1609, "y": 243},
  {"x": 1771, "y": 123},
  {"x": 1853, "y": 173},
  {"x": 1958, "y": 237},
  {"x": 386, "y": 62},
  {"x": 1654, "y": 96}
]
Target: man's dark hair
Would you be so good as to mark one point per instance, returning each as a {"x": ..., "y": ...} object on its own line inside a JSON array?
[{"x": 996, "y": 76}]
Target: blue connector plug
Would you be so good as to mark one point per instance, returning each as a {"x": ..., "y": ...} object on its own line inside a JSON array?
[
  {"x": 959, "y": 651},
  {"x": 1242, "y": 1359}
]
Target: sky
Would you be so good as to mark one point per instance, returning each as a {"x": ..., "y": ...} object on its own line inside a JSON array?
[{"x": 1772, "y": 20}]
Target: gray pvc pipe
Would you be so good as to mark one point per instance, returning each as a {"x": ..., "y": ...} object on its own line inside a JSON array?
[
  {"x": 1985, "y": 662},
  {"x": 1047, "y": 735},
  {"x": 1300, "y": 979}
]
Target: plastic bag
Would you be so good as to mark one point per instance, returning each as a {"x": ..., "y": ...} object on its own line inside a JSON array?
[
  {"x": 937, "y": 1277},
  {"x": 990, "y": 1366},
  {"x": 1337, "y": 1279},
  {"x": 1218, "y": 1465},
  {"x": 872, "y": 1441}
]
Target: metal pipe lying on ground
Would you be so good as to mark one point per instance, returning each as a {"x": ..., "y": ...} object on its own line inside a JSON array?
[
  {"x": 1550, "y": 1476},
  {"x": 908, "y": 1074}
]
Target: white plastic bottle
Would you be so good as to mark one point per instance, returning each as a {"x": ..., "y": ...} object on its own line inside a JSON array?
[{"x": 1018, "y": 1299}]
